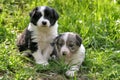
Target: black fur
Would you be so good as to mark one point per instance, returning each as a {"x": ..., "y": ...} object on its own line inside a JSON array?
[
  {"x": 35, "y": 16},
  {"x": 79, "y": 40},
  {"x": 25, "y": 42},
  {"x": 55, "y": 41},
  {"x": 51, "y": 15}
]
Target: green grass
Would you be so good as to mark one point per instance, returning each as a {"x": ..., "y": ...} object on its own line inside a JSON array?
[{"x": 96, "y": 21}]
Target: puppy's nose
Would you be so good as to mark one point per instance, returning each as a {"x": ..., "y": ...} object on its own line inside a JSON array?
[
  {"x": 44, "y": 22},
  {"x": 64, "y": 53}
]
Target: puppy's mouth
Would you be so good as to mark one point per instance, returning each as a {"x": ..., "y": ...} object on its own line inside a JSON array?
[
  {"x": 66, "y": 55},
  {"x": 43, "y": 26}
]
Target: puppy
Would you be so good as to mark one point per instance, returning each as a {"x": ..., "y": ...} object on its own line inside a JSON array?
[
  {"x": 40, "y": 32},
  {"x": 70, "y": 48}
]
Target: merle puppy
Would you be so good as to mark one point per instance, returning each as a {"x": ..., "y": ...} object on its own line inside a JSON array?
[
  {"x": 69, "y": 47},
  {"x": 40, "y": 32}
]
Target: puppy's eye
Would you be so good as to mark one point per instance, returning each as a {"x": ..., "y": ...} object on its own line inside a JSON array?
[
  {"x": 47, "y": 14},
  {"x": 71, "y": 45},
  {"x": 51, "y": 16},
  {"x": 38, "y": 14},
  {"x": 60, "y": 44}
]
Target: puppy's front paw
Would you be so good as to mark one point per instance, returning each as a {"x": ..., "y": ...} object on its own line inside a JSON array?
[
  {"x": 44, "y": 63},
  {"x": 70, "y": 73}
]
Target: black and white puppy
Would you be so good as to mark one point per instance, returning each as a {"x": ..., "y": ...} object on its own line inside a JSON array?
[
  {"x": 70, "y": 48},
  {"x": 40, "y": 32}
]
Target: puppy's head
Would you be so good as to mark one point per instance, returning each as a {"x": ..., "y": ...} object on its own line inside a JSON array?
[
  {"x": 43, "y": 16},
  {"x": 67, "y": 44}
]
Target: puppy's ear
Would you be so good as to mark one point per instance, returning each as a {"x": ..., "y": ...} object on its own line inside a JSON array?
[
  {"x": 78, "y": 40},
  {"x": 56, "y": 40},
  {"x": 33, "y": 11},
  {"x": 55, "y": 14}
]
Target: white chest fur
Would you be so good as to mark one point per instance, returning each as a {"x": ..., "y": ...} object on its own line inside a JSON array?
[{"x": 43, "y": 35}]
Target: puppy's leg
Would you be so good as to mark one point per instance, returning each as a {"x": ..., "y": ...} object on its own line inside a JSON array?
[
  {"x": 47, "y": 52},
  {"x": 76, "y": 62},
  {"x": 76, "y": 65},
  {"x": 72, "y": 71},
  {"x": 39, "y": 58}
]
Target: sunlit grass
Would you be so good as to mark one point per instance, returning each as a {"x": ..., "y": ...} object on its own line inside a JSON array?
[{"x": 96, "y": 21}]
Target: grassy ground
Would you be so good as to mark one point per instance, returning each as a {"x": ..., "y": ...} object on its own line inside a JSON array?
[{"x": 97, "y": 21}]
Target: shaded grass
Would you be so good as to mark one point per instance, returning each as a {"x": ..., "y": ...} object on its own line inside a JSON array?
[{"x": 96, "y": 21}]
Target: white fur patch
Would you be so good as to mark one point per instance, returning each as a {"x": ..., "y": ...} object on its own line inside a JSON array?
[
  {"x": 41, "y": 9},
  {"x": 42, "y": 19}
]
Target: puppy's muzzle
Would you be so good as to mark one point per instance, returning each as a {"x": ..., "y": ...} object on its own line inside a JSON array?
[{"x": 66, "y": 54}]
